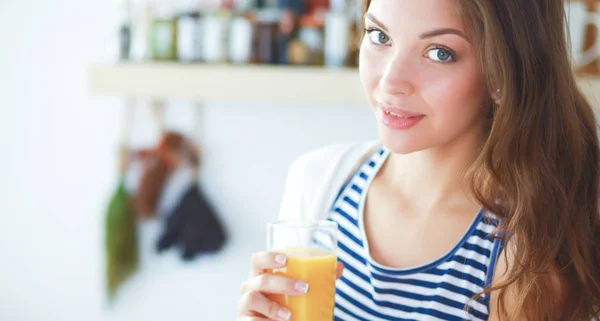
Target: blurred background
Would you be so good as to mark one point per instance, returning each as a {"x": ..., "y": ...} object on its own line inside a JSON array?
[{"x": 145, "y": 144}]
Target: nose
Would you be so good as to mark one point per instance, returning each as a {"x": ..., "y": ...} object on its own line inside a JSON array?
[{"x": 395, "y": 79}]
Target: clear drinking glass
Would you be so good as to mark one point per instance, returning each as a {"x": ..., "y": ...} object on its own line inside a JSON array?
[{"x": 311, "y": 249}]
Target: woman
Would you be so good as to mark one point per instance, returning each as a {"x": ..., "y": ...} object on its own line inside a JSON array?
[{"x": 482, "y": 202}]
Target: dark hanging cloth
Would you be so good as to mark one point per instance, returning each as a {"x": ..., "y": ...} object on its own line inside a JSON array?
[{"x": 193, "y": 226}]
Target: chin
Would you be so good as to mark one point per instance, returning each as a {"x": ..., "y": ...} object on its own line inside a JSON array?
[{"x": 400, "y": 142}]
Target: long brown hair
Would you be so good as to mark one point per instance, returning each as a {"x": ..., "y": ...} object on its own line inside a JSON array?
[{"x": 538, "y": 170}]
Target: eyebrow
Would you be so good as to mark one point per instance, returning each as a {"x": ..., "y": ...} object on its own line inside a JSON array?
[{"x": 425, "y": 35}]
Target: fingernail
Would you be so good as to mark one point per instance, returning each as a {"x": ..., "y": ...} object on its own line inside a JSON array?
[
  {"x": 301, "y": 287},
  {"x": 284, "y": 314},
  {"x": 281, "y": 259}
]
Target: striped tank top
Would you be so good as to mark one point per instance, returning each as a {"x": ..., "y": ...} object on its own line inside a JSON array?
[{"x": 438, "y": 290}]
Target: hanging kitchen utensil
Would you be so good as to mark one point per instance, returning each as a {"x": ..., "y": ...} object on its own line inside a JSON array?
[
  {"x": 158, "y": 163},
  {"x": 193, "y": 225},
  {"x": 121, "y": 243},
  {"x": 155, "y": 167}
]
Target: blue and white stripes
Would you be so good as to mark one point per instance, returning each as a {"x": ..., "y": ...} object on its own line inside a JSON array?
[{"x": 435, "y": 291}]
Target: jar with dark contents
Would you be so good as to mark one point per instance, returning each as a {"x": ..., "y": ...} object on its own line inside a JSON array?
[
  {"x": 267, "y": 30},
  {"x": 124, "y": 42},
  {"x": 124, "y": 30},
  {"x": 291, "y": 11}
]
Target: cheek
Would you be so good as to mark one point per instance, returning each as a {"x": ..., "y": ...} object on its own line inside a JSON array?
[
  {"x": 370, "y": 67},
  {"x": 455, "y": 95}
]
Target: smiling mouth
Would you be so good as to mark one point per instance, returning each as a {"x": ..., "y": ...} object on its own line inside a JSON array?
[{"x": 396, "y": 115}]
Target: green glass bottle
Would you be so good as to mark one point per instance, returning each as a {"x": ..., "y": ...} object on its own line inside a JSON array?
[{"x": 164, "y": 32}]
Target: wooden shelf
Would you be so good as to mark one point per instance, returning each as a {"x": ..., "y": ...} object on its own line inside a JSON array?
[
  {"x": 245, "y": 83},
  {"x": 226, "y": 82}
]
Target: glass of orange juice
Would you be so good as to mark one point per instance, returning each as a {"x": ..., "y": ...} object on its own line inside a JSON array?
[{"x": 311, "y": 249}]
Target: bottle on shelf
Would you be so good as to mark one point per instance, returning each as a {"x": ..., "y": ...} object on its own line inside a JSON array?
[
  {"x": 164, "y": 32},
  {"x": 189, "y": 40},
  {"x": 262, "y": 4},
  {"x": 214, "y": 35},
  {"x": 124, "y": 30},
  {"x": 267, "y": 30},
  {"x": 290, "y": 13},
  {"x": 317, "y": 9},
  {"x": 356, "y": 32},
  {"x": 241, "y": 39},
  {"x": 338, "y": 27},
  {"x": 140, "y": 49},
  {"x": 189, "y": 31},
  {"x": 244, "y": 6}
]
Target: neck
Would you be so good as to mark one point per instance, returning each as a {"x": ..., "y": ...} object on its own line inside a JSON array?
[{"x": 434, "y": 177}]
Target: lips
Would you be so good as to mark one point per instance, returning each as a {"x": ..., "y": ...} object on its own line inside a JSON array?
[
  {"x": 398, "y": 112},
  {"x": 399, "y": 118},
  {"x": 395, "y": 114}
]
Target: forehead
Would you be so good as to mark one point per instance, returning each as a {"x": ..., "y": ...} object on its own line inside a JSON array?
[{"x": 417, "y": 15}]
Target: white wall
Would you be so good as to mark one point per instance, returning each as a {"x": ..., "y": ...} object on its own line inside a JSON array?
[{"x": 58, "y": 169}]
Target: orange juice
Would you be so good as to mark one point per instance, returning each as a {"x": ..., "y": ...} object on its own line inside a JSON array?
[{"x": 317, "y": 268}]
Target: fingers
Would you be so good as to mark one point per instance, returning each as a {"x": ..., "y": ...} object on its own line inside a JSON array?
[
  {"x": 262, "y": 261},
  {"x": 253, "y": 319},
  {"x": 340, "y": 269},
  {"x": 255, "y": 305},
  {"x": 270, "y": 283},
  {"x": 256, "y": 302}
]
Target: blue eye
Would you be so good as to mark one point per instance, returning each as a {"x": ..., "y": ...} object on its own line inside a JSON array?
[
  {"x": 378, "y": 37},
  {"x": 441, "y": 55}
]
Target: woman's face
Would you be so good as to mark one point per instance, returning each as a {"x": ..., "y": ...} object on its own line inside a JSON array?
[{"x": 421, "y": 74}]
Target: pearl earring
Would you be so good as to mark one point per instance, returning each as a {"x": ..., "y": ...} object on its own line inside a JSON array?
[{"x": 497, "y": 101}]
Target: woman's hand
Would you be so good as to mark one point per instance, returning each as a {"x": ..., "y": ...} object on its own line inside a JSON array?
[{"x": 254, "y": 304}]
